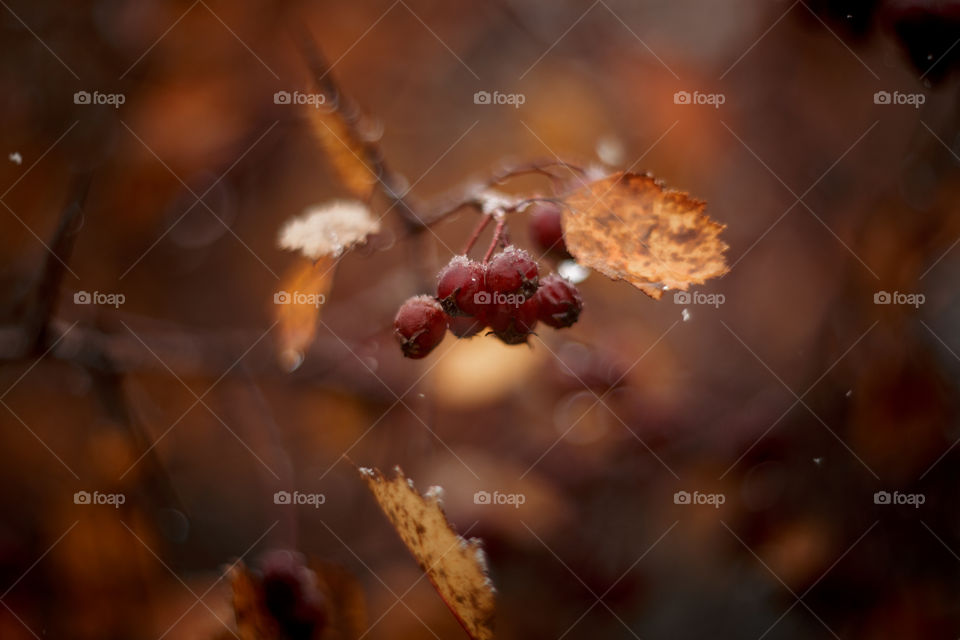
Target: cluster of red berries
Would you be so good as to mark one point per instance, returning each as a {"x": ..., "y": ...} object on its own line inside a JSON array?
[{"x": 505, "y": 294}]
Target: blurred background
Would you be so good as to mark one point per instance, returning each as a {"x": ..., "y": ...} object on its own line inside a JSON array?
[{"x": 823, "y": 133}]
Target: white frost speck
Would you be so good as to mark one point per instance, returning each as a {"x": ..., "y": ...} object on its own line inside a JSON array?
[
  {"x": 849, "y": 392},
  {"x": 328, "y": 229},
  {"x": 16, "y": 158},
  {"x": 573, "y": 271},
  {"x": 685, "y": 314},
  {"x": 434, "y": 493},
  {"x": 366, "y": 471},
  {"x": 481, "y": 558},
  {"x": 492, "y": 201}
]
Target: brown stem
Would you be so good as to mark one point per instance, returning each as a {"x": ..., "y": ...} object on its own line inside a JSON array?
[
  {"x": 497, "y": 234},
  {"x": 469, "y": 194},
  {"x": 52, "y": 273},
  {"x": 476, "y": 233}
]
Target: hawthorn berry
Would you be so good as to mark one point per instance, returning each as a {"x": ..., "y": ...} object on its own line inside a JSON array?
[
  {"x": 558, "y": 302},
  {"x": 512, "y": 271},
  {"x": 291, "y": 595},
  {"x": 546, "y": 229},
  {"x": 513, "y": 324},
  {"x": 458, "y": 285},
  {"x": 465, "y": 326},
  {"x": 419, "y": 326}
]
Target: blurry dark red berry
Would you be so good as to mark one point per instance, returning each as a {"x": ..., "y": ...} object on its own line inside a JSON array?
[
  {"x": 465, "y": 326},
  {"x": 291, "y": 595},
  {"x": 419, "y": 326},
  {"x": 514, "y": 324},
  {"x": 512, "y": 271},
  {"x": 458, "y": 285},
  {"x": 546, "y": 229},
  {"x": 558, "y": 302}
]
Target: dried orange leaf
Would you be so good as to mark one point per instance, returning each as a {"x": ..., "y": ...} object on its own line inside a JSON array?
[
  {"x": 628, "y": 227},
  {"x": 456, "y": 567},
  {"x": 342, "y": 130},
  {"x": 297, "y": 307},
  {"x": 355, "y": 160},
  {"x": 253, "y": 621}
]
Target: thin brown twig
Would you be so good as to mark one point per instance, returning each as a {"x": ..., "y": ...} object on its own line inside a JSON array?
[
  {"x": 476, "y": 233},
  {"x": 497, "y": 234}
]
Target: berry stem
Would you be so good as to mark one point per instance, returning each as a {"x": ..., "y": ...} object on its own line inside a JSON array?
[
  {"x": 498, "y": 233},
  {"x": 476, "y": 233}
]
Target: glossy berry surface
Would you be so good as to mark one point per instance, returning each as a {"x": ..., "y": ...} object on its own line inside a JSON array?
[
  {"x": 512, "y": 271},
  {"x": 291, "y": 595},
  {"x": 558, "y": 302},
  {"x": 458, "y": 285},
  {"x": 546, "y": 228},
  {"x": 514, "y": 324},
  {"x": 465, "y": 326},
  {"x": 419, "y": 326}
]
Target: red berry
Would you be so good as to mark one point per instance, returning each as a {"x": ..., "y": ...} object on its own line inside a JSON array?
[
  {"x": 458, "y": 285},
  {"x": 465, "y": 326},
  {"x": 419, "y": 326},
  {"x": 514, "y": 324},
  {"x": 291, "y": 595},
  {"x": 546, "y": 229},
  {"x": 512, "y": 271},
  {"x": 558, "y": 302}
]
